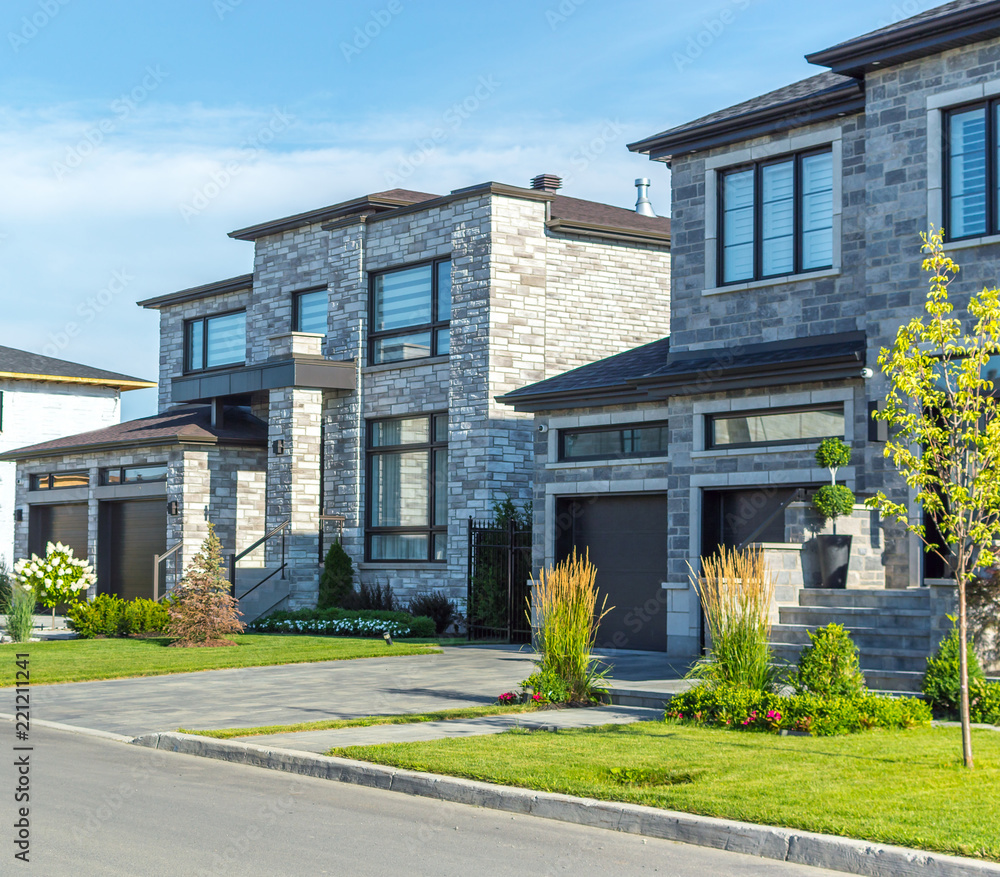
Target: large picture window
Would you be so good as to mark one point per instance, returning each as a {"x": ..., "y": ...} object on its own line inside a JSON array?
[
  {"x": 971, "y": 188},
  {"x": 783, "y": 426},
  {"x": 408, "y": 488},
  {"x": 410, "y": 310},
  {"x": 309, "y": 311},
  {"x": 213, "y": 342},
  {"x": 776, "y": 217},
  {"x": 609, "y": 443}
]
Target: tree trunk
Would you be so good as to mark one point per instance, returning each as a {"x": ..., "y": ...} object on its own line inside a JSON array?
[
  {"x": 963, "y": 665},
  {"x": 53, "y": 617}
]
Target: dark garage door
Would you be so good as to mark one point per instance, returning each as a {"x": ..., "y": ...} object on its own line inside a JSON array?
[
  {"x": 131, "y": 533},
  {"x": 62, "y": 522},
  {"x": 627, "y": 539}
]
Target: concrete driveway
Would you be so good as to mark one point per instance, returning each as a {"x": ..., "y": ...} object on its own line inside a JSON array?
[{"x": 245, "y": 697}]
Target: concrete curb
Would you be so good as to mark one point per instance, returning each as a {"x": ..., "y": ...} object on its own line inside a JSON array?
[
  {"x": 788, "y": 845},
  {"x": 73, "y": 729}
]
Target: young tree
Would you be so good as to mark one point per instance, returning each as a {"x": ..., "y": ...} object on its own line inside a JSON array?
[
  {"x": 337, "y": 580},
  {"x": 202, "y": 612},
  {"x": 945, "y": 433}
]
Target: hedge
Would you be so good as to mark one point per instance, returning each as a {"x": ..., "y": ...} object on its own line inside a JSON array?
[{"x": 344, "y": 622}]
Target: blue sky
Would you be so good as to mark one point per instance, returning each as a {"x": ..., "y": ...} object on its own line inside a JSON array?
[{"x": 134, "y": 136}]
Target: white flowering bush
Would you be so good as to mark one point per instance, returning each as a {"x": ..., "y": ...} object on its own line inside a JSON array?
[
  {"x": 57, "y": 578},
  {"x": 343, "y": 622}
]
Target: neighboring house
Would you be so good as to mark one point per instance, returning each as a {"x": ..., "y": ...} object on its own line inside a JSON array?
[
  {"x": 42, "y": 398},
  {"x": 795, "y": 257},
  {"x": 354, "y": 373}
]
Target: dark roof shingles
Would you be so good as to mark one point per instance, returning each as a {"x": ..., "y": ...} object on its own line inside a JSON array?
[
  {"x": 594, "y": 213},
  {"x": 22, "y": 362}
]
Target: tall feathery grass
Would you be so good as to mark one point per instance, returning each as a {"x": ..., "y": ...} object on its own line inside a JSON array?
[
  {"x": 736, "y": 589},
  {"x": 567, "y": 616},
  {"x": 20, "y": 612}
]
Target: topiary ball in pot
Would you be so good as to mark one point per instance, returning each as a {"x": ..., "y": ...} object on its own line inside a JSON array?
[{"x": 833, "y": 501}]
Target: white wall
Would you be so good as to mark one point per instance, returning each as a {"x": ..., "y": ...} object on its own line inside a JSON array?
[{"x": 39, "y": 411}]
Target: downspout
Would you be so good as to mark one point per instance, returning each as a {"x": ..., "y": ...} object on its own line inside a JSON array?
[{"x": 358, "y": 461}]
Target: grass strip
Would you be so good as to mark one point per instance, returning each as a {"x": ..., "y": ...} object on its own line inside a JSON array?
[
  {"x": 896, "y": 787},
  {"x": 471, "y": 712},
  {"x": 83, "y": 660}
]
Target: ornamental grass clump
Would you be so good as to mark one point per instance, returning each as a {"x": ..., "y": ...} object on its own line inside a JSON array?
[
  {"x": 20, "y": 611},
  {"x": 567, "y": 617},
  {"x": 736, "y": 589}
]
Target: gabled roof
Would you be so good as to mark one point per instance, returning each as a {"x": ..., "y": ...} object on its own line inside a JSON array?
[
  {"x": 651, "y": 372},
  {"x": 21, "y": 364},
  {"x": 933, "y": 30},
  {"x": 178, "y": 426},
  {"x": 824, "y": 96},
  {"x": 377, "y": 203}
]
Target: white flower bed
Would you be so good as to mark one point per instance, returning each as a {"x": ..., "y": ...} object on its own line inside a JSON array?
[{"x": 342, "y": 626}]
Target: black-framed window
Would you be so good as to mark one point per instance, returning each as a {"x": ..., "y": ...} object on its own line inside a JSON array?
[
  {"x": 134, "y": 474},
  {"x": 215, "y": 341},
  {"x": 775, "y": 426},
  {"x": 410, "y": 311},
  {"x": 59, "y": 480},
  {"x": 609, "y": 443},
  {"x": 971, "y": 190},
  {"x": 407, "y": 488},
  {"x": 776, "y": 217},
  {"x": 309, "y": 310}
]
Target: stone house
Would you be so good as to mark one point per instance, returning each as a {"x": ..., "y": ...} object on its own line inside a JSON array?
[
  {"x": 795, "y": 257},
  {"x": 350, "y": 381},
  {"x": 42, "y": 397}
]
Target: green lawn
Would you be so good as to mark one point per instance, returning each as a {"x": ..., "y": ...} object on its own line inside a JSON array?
[
  {"x": 80, "y": 660},
  {"x": 367, "y": 721},
  {"x": 899, "y": 787}
]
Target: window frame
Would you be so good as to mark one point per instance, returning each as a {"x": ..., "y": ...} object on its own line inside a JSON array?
[
  {"x": 371, "y": 453},
  {"x": 434, "y": 326},
  {"x": 34, "y": 480},
  {"x": 613, "y": 427},
  {"x": 107, "y": 471},
  {"x": 204, "y": 320},
  {"x": 296, "y": 311},
  {"x": 711, "y": 418},
  {"x": 992, "y": 107},
  {"x": 758, "y": 219}
]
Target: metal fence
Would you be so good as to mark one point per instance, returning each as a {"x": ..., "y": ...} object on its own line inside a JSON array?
[{"x": 499, "y": 597}]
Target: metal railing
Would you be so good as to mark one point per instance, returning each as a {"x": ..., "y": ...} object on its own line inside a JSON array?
[
  {"x": 282, "y": 529},
  {"x": 339, "y": 520},
  {"x": 157, "y": 560}
]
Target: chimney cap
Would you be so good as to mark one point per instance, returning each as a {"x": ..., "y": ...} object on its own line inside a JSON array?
[
  {"x": 642, "y": 205},
  {"x": 546, "y": 182}
]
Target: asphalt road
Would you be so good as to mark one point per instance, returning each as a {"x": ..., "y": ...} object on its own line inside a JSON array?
[{"x": 105, "y": 808}]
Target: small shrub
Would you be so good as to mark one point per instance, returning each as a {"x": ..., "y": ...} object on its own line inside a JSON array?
[
  {"x": 202, "y": 612},
  {"x": 738, "y": 708},
  {"x": 941, "y": 683},
  {"x": 378, "y": 597},
  {"x": 5, "y": 583},
  {"x": 436, "y": 605},
  {"x": 57, "y": 578},
  {"x": 21, "y": 612},
  {"x": 337, "y": 580},
  {"x": 144, "y": 616},
  {"x": 344, "y": 622},
  {"x": 736, "y": 589},
  {"x": 547, "y": 684},
  {"x": 833, "y": 501},
  {"x": 984, "y": 702},
  {"x": 108, "y": 615},
  {"x": 828, "y": 666}
]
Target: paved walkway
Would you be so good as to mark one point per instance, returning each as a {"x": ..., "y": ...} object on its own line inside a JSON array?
[{"x": 253, "y": 696}]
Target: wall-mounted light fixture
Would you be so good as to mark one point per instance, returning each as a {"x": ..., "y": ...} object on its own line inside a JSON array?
[
  {"x": 278, "y": 446},
  {"x": 19, "y": 515},
  {"x": 173, "y": 507}
]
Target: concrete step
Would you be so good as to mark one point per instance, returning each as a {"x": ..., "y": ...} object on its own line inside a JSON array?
[
  {"x": 853, "y": 616},
  {"x": 865, "y": 638},
  {"x": 877, "y": 598},
  {"x": 894, "y": 681},
  {"x": 876, "y": 660},
  {"x": 638, "y": 697}
]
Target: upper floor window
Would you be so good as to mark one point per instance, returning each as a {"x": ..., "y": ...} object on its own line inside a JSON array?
[
  {"x": 410, "y": 310},
  {"x": 605, "y": 443},
  {"x": 212, "y": 342},
  {"x": 134, "y": 474},
  {"x": 780, "y": 426},
  {"x": 971, "y": 165},
  {"x": 776, "y": 217},
  {"x": 59, "y": 480},
  {"x": 309, "y": 311}
]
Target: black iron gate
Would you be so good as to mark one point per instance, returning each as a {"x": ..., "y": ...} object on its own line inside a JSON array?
[{"x": 499, "y": 598}]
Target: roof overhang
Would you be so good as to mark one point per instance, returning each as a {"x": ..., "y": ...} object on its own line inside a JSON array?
[
  {"x": 927, "y": 36},
  {"x": 220, "y": 287},
  {"x": 127, "y": 444},
  {"x": 116, "y": 383},
  {"x": 596, "y": 230},
  {"x": 305, "y": 372}
]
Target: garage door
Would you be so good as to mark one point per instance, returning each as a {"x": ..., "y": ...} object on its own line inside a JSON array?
[
  {"x": 627, "y": 539},
  {"x": 59, "y": 522},
  {"x": 131, "y": 533}
]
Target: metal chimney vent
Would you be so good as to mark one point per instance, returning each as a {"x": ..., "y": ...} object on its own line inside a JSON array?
[
  {"x": 547, "y": 182},
  {"x": 642, "y": 205}
]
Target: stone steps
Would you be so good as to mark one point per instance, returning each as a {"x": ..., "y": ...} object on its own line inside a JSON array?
[{"x": 257, "y": 601}]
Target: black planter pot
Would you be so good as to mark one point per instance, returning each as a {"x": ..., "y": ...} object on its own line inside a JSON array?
[{"x": 834, "y": 557}]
